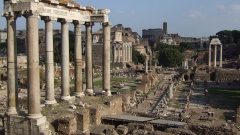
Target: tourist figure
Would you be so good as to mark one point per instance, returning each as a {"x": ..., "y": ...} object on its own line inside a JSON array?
[
  {"x": 151, "y": 103},
  {"x": 205, "y": 92}
]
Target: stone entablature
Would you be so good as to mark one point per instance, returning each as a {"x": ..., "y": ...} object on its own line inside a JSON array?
[{"x": 57, "y": 9}]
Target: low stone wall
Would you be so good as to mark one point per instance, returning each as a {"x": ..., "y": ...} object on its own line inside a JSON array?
[
  {"x": 201, "y": 75},
  {"x": 227, "y": 75}
]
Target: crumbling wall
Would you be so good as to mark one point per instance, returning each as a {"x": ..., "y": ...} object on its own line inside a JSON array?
[
  {"x": 115, "y": 105},
  {"x": 83, "y": 121},
  {"x": 95, "y": 116},
  {"x": 227, "y": 75},
  {"x": 201, "y": 75}
]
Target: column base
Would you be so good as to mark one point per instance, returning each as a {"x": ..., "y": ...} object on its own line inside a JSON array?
[
  {"x": 68, "y": 98},
  {"x": 107, "y": 93},
  {"x": 89, "y": 92},
  {"x": 50, "y": 102},
  {"x": 12, "y": 111},
  {"x": 34, "y": 116},
  {"x": 79, "y": 94}
]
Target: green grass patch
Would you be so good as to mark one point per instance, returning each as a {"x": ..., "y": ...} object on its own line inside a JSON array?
[
  {"x": 98, "y": 83},
  {"x": 226, "y": 93}
]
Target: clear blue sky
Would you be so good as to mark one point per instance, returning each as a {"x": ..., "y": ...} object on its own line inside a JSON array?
[{"x": 194, "y": 18}]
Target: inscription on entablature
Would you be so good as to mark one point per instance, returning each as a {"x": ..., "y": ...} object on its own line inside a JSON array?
[{"x": 53, "y": 11}]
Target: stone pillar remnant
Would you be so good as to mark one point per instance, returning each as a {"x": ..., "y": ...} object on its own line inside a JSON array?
[
  {"x": 209, "y": 56},
  {"x": 220, "y": 64},
  {"x": 106, "y": 58}
]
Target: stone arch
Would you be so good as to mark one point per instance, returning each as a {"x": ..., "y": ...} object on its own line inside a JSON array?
[
  {"x": 191, "y": 76},
  {"x": 212, "y": 76},
  {"x": 186, "y": 77}
]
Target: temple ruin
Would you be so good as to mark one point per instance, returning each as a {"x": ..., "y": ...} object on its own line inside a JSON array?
[{"x": 64, "y": 12}]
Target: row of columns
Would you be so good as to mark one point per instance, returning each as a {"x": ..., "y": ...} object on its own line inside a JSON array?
[
  {"x": 33, "y": 61},
  {"x": 215, "y": 56},
  {"x": 122, "y": 53}
]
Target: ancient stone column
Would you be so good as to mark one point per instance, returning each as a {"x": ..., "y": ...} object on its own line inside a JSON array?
[
  {"x": 123, "y": 55},
  {"x": 209, "y": 55},
  {"x": 11, "y": 63},
  {"x": 78, "y": 59},
  {"x": 215, "y": 55},
  {"x": 49, "y": 64},
  {"x": 119, "y": 53},
  {"x": 89, "y": 68},
  {"x": 220, "y": 65},
  {"x": 106, "y": 58},
  {"x": 131, "y": 53},
  {"x": 34, "y": 110},
  {"x": 170, "y": 91},
  {"x": 150, "y": 60},
  {"x": 65, "y": 95},
  {"x": 146, "y": 64},
  {"x": 128, "y": 53}
]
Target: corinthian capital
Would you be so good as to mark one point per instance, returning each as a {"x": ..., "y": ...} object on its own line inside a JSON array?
[{"x": 28, "y": 13}]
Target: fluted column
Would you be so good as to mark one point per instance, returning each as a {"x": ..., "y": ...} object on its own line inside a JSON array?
[
  {"x": 209, "y": 55},
  {"x": 220, "y": 56},
  {"x": 215, "y": 55},
  {"x": 34, "y": 110},
  {"x": 11, "y": 63},
  {"x": 65, "y": 95},
  {"x": 106, "y": 58},
  {"x": 89, "y": 68},
  {"x": 78, "y": 59},
  {"x": 49, "y": 64}
]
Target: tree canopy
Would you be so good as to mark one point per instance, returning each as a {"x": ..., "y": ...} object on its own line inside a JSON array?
[
  {"x": 137, "y": 57},
  {"x": 229, "y": 37},
  {"x": 169, "y": 55}
]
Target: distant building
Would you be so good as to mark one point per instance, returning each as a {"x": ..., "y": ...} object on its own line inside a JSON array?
[
  {"x": 152, "y": 35},
  {"x": 122, "y": 40},
  {"x": 3, "y": 36},
  {"x": 165, "y": 28}
]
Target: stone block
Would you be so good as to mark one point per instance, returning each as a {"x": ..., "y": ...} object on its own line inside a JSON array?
[
  {"x": 148, "y": 127},
  {"x": 95, "y": 116},
  {"x": 83, "y": 121},
  {"x": 39, "y": 121},
  {"x": 132, "y": 126},
  {"x": 139, "y": 132},
  {"x": 67, "y": 125},
  {"x": 111, "y": 132},
  {"x": 122, "y": 130}
]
